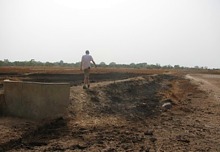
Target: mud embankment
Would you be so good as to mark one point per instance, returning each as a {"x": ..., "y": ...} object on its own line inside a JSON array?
[{"x": 73, "y": 79}]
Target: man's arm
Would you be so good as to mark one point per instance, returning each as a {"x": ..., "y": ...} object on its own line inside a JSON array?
[{"x": 94, "y": 63}]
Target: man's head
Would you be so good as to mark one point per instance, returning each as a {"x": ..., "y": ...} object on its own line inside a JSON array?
[{"x": 87, "y": 51}]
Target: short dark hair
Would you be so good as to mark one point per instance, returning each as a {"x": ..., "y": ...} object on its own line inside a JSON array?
[{"x": 87, "y": 51}]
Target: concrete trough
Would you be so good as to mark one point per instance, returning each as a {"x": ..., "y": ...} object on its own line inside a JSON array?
[
  {"x": 35, "y": 100},
  {"x": 2, "y": 101}
]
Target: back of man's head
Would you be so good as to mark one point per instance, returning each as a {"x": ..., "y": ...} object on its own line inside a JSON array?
[{"x": 87, "y": 51}]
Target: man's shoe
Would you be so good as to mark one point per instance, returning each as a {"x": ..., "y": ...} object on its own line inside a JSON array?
[{"x": 88, "y": 86}]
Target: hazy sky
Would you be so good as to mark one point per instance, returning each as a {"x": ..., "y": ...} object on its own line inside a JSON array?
[{"x": 175, "y": 32}]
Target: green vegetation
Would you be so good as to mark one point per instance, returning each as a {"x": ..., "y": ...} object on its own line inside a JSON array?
[{"x": 61, "y": 63}]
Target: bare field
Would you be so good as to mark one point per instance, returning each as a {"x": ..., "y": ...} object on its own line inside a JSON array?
[
  {"x": 122, "y": 111},
  {"x": 70, "y": 70}
]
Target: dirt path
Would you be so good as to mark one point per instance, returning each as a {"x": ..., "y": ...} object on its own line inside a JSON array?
[
  {"x": 208, "y": 108},
  {"x": 127, "y": 115},
  {"x": 207, "y": 82}
]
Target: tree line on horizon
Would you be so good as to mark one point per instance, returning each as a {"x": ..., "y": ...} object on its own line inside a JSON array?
[{"x": 61, "y": 63}]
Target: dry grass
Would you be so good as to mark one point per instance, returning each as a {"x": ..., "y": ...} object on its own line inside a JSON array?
[
  {"x": 75, "y": 70},
  {"x": 70, "y": 70}
]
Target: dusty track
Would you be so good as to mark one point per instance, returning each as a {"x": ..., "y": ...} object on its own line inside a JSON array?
[
  {"x": 126, "y": 115},
  {"x": 207, "y": 82}
]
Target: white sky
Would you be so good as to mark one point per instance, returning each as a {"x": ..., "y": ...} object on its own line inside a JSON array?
[{"x": 182, "y": 32}]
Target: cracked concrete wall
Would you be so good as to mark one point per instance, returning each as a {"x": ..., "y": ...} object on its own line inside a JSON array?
[{"x": 36, "y": 100}]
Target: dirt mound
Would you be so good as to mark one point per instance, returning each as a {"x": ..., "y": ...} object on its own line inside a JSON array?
[{"x": 129, "y": 99}]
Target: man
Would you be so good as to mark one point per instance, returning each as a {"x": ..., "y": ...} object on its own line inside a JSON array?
[{"x": 86, "y": 66}]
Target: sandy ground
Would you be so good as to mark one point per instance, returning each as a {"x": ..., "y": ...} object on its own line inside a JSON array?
[
  {"x": 207, "y": 82},
  {"x": 128, "y": 115}
]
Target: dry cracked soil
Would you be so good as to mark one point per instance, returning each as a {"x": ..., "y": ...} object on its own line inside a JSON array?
[{"x": 128, "y": 115}]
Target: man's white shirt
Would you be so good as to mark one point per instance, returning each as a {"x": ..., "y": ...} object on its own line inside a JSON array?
[{"x": 86, "y": 61}]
